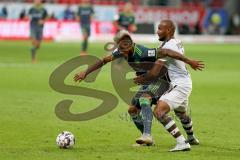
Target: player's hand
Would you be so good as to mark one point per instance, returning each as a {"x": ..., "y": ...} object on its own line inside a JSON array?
[
  {"x": 79, "y": 77},
  {"x": 196, "y": 65},
  {"x": 41, "y": 22},
  {"x": 139, "y": 80},
  {"x": 132, "y": 28}
]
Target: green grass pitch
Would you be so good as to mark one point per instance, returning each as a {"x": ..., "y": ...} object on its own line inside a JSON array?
[{"x": 29, "y": 126}]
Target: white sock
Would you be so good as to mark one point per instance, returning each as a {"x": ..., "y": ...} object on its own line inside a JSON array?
[
  {"x": 180, "y": 139},
  {"x": 146, "y": 134}
]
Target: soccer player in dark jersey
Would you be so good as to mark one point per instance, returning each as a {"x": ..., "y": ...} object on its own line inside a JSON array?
[
  {"x": 137, "y": 54},
  {"x": 126, "y": 20},
  {"x": 38, "y": 15},
  {"x": 84, "y": 15}
]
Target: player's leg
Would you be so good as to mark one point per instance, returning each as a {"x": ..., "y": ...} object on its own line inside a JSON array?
[
  {"x": 36, "y": 37},
  {"x": 141, "y": 103},
  {"x": 33, "y": 41},
  {"x": 187, "y": 125},
  {"x": 86, "y": 34},
  {"x": 145, "y": 102},
  {"x": 161, "y": 113},
  {"x": 170, "y": 101},
  {"x": 134, "y": 113},
  {"x": 150, "y": 96},
  {"x": 146, "y": 110}
]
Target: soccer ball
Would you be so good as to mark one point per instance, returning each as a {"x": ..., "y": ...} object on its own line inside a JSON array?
[{"x": 65, "y": 140}]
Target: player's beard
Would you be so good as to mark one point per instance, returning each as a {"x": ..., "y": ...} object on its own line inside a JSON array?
[{"x": 162, "y": 38}]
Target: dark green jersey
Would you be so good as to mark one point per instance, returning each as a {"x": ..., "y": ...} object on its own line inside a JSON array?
[
  {"x": 36, "y": 14},
  {"x": 140, "y": 58},
  {"x": 85, "y": 13},
  {"x": 125, "y": 20}
]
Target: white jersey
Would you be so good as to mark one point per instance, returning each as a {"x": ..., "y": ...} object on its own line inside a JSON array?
[{"x": 177, "y": 70}]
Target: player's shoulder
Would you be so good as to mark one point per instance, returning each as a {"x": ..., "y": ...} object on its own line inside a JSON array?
[
  {"x": 150, "y": 52},
  {"x": 139, "y": 47},
  {"x": 142, "y": 47},
  {"x": 171, "y": 43}
]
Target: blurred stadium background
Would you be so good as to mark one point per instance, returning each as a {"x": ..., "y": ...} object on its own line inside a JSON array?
[{"x": 193, "y": 18}]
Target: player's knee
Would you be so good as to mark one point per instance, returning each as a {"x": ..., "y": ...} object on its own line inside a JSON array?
[
  {"x": 183, "y": 117},
  {"x": 37, "y": 44},
  {"x": 85, "y": 36},
  {"x": 132, "y": 110},
  {"x": 145, "y": 100},
  {"x": 160, "y": 115},
  {"x": 147, "y": 96},
  {"x": 160, "y": 111},
  {"x": 178, "y": 114}
]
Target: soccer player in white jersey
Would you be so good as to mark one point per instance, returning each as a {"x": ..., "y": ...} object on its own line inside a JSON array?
[{"x": 176, "y": 98}]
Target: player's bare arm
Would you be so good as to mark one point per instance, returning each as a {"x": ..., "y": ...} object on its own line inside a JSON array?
[
  {"x": 82, "y": 75},
  {"x": 195, "y": 64}
]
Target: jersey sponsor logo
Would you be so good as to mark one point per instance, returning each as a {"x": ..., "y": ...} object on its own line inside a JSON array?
[{"x": 151, "y": 53}]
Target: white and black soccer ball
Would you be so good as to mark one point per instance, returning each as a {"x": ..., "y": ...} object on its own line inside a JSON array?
[{"x": 65, "y": 140}]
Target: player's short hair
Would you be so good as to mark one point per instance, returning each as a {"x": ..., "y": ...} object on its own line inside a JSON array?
[
  {"x": 120, "y": 35},
  {"x": 170, "y": 24}
]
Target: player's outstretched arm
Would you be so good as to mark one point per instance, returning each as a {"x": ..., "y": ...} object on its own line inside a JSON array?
[
  {"x": 82, "y": 75},
  {"x": 152, "y": 74},
  {"x": 195, "y": 64}
]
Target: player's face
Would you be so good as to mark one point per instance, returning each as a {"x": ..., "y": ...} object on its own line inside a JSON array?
[
  {"x": 128, "y": 8},
  {"x": 162, "y": 32},
  {"x": 125, "y": 46},
  {"x": 86, "y": 1},
  {"x": 37, "y": 2}
]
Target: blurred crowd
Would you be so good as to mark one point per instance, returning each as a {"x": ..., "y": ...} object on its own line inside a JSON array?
[
  {"x": 218, "y": 19},
  {"x": 214, "y": 3}
]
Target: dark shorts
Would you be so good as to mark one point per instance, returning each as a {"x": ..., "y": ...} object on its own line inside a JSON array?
[
  {"x": 155, "y": 90},
  {"x": 86, "y": 29},
  {"x": 36, "y": 33}
]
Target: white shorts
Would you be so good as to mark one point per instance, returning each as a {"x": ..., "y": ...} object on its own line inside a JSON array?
[{"x": 177, "y": 97}]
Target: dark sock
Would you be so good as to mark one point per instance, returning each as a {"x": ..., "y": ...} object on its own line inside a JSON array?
[
  {"x": 187, "y": 125},
  {"x": 84, "y": 45},
  {"x": 33, "y": 53},
  {"x": 147, "y": 114},
  {"x": 138, "y": 121}
]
